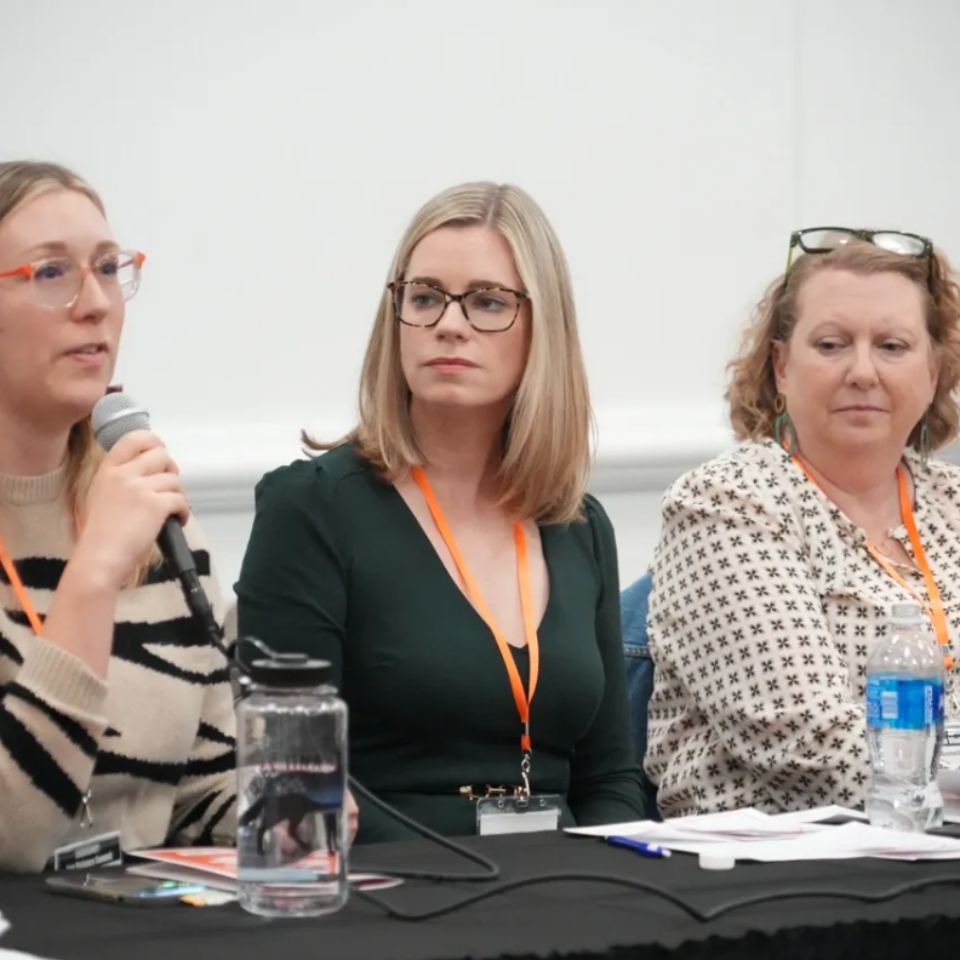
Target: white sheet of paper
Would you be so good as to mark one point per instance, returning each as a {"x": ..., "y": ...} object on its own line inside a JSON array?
[
  {"x": 844, "y": 842},
  {"x": 951, "y": 810},
  {"x": 819, "y": 814},
  {"x": 949, "y": 783},
  {"x": 752, "y": 835},
  {"x": 709, "y": 828}
]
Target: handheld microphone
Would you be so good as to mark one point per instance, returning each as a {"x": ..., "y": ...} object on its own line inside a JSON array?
[{"x": 114, "y": 416}]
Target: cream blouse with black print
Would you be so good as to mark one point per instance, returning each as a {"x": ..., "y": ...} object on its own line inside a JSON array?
[{"x": 766, "y": 603}]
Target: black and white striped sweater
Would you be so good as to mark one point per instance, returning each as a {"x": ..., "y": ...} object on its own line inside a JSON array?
[{"x": 152, "y": 743}]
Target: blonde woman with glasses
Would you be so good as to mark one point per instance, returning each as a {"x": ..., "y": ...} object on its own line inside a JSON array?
[
  {"x": 116, "y": 717},
  {"x": 778, "y": 562},
  {"x": 447, "y": 558}
]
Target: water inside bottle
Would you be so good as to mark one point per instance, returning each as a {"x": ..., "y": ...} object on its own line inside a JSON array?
[
  {"x": 905, "y": 717},
  {"x": 291, "y": 839},
  {"x": 903, "y": 794}
]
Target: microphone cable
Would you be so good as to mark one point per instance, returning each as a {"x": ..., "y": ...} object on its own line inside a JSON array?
[
  {"x": 695, "y": 913},
  {"x": 490, "y": 870}
]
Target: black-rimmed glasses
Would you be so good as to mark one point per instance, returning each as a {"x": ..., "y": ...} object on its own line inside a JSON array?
[
  {"x": 825, "y": 239},
  {"x": 486, "y": 309}
]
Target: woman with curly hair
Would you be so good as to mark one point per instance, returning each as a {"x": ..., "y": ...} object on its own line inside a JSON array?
[{"x": 778, "y": 561}]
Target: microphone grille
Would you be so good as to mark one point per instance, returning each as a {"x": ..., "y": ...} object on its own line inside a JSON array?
[{"x": 114, "y": 416}]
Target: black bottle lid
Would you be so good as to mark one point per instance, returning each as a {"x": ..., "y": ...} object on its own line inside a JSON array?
[
  {"x": 283, "y": 669},
  {"x": 291, "y": 670}
]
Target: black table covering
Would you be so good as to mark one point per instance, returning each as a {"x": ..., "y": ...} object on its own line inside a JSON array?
[{"x": 572, "y": 919}]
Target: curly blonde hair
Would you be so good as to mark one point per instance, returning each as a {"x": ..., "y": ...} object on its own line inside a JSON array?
[{"x": 752, "y": 388}]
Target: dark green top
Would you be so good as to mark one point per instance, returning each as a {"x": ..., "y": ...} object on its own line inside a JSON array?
[{"x": 339, "y": 567}]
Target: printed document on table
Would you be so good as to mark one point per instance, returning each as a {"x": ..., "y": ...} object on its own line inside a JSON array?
[{"x": 753, "y": 835}]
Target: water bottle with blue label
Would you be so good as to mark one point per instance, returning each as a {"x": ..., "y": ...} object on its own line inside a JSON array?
[
  {"x": 291, "y": 785},
  {"x": 905, "y": 691}
]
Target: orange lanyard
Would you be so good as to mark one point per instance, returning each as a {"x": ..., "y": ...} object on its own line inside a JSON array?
[
  {"x": 934, "y": 608},
  {"x": 521, "y": 698},
  {"x": 18, "y": 588}
]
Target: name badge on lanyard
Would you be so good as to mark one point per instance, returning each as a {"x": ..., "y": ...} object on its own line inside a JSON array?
[
  {"x": 518, "y": 814},
  {"x": 522, "y": 812}
]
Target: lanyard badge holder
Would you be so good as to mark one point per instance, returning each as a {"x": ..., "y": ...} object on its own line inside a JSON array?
[
  {"x": 501, "y": 809},
  {"x": 500, "y": 812}
]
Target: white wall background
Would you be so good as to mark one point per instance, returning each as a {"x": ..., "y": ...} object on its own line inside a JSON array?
[{"x": 268, "y": 156}]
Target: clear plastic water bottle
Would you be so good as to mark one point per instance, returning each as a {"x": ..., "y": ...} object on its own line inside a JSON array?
[
  {"x": 291, "y": 779},
  {"x": 905, "y": 685}
]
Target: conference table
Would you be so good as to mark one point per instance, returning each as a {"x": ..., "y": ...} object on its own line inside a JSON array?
[{"x": 573, "y": 918}]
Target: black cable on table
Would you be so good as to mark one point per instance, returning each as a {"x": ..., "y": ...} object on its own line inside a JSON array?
[
  {"x": 491, "y": 870},
  {"x": 702, "y": 916}
]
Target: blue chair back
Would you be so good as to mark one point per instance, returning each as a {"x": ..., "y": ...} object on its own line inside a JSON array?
[{"x": 634, "y": 602}]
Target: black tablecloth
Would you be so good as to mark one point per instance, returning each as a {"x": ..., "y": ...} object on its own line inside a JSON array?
[{"x": 569, "y": 919}]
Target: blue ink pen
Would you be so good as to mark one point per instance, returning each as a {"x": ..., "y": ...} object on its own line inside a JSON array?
[{"x": 638, "y": 846}]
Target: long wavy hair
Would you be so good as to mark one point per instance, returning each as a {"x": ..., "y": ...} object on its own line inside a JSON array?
[
  {"x": 546, "y": 441},
  {"x": 752, "y": 387}
]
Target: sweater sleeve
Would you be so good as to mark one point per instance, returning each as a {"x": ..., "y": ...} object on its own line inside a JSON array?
[
  {"x": 205, "y": 806},
  {"x": 743, "y": 652},
  {"x": 51, "y": 720},
  {"x": 292, "y": 589},
  {"x": 604, "y": 781},
  {"x": 204, "y": 810}
]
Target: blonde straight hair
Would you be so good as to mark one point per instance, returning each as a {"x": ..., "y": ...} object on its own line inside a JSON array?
[{"x": 546, "y": 443}]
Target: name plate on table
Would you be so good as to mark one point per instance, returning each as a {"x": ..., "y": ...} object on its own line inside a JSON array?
[{"x": 99, "y": 851}]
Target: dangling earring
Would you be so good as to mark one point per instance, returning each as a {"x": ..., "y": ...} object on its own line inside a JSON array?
[
  {"x": 784, "y": 432},
  {"x": 923, "y": 443}
]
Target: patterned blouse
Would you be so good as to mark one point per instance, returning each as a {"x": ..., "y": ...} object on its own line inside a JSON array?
[{"x": 765, "y": 605}]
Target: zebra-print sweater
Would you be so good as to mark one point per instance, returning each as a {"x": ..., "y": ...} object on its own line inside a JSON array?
[{"x": 151, "y": 745}]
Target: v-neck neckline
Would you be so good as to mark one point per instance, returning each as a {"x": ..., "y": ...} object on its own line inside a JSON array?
[{"x": 428, "y": 543}]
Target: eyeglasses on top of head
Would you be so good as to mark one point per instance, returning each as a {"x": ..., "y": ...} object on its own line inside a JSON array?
[
  {"x": 488, "y": 309},
  {"x": 56, "y": 282},
  {"x": 827, "y": 239}
]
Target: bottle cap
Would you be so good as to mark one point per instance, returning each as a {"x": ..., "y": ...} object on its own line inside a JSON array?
[
  {"x": 905, "y": 613},
  {"x": 291, "y": 670},
  {"x": 716, "y": 861},
  {"x": 280, "y": 669}
]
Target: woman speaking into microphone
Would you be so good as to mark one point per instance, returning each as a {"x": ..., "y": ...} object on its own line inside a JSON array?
[
  {"x": 116, "y": 714},
  {"x": 446, "y": 558}
]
